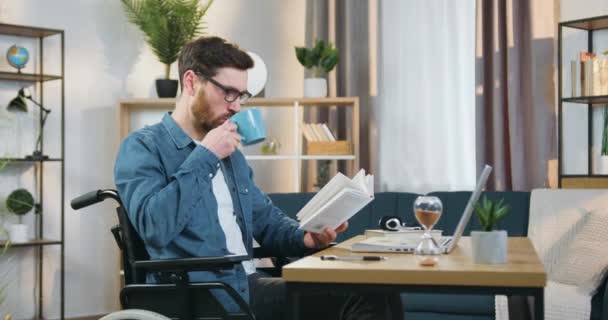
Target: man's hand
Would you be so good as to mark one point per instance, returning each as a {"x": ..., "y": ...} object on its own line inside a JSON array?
[
  {"x": 321, "y": 240},
  {"x": 223, "y": 140}
]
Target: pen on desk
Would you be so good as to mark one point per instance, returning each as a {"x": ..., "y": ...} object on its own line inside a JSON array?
[{"x": 353, "y": 258}]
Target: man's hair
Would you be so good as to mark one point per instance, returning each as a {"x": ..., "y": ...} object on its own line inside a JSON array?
[{"x": 207, "y": 54}]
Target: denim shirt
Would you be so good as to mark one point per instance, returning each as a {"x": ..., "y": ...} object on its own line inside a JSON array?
[{"x": 164, "y": 181}]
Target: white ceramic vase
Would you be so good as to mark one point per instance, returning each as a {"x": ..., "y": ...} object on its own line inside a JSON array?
[
  {"x": 315, "y": 87},
  {"x": 18, "y": 233},
  {"x": 489, "y": 247}
]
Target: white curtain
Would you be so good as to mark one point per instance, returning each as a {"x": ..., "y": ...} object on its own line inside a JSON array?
[{"x": 425, "y": 120}]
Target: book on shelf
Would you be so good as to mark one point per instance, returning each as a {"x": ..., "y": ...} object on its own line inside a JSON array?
[
  {"x": 317, "y": 132},
  {"x": 600, "y": 77},
  {"x": 589, "y": 77},
  {"x": 328, "y": 133},
  {"x": 586, "y": 60},
  {"x": 339, "y": 200},
  {"x": 573, "y": 78},
  {"x": 308, "y": 135}
]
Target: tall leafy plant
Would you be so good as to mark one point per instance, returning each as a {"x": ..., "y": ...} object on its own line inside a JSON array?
[
  {"x": 321, "y": 58},
  {"x": 167, "y": 24}
]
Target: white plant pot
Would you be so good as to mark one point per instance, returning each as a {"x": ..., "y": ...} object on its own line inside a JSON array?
[
  {"x": 18, "y": 233},
  {"x": 315, "y": 87},
  {"x": 489, "y": 247}
]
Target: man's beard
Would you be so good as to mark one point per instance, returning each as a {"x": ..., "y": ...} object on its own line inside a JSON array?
[{"x": 203, "y": 116}]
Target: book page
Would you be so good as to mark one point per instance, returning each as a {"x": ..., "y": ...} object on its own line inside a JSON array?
[
  {"x": 337, "y": 183},
  {"x": 338, "y": 209},
  {"x": 359, "y": 180}
]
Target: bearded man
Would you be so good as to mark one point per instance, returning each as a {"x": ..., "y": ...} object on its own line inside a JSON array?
[{"x": 189, "y": 191}]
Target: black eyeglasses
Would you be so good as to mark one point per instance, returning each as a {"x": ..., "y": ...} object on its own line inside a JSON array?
[{"x": 230, "y": 93}]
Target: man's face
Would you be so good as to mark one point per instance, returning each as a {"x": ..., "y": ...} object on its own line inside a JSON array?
[{"x": 210, "y": 109}]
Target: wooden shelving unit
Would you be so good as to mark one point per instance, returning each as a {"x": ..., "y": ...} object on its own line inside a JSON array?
[
  {"x": 127, "y": 107},
  {"x": 590, "y": 179},
  {"x": 39, "y": 78}
]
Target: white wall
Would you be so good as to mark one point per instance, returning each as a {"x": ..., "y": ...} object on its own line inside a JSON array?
[
  {"x": 575, "y": 115},
  {"x": 106, "y": 60}
]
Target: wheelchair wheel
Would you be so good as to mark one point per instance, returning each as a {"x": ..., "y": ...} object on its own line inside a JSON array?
[{"x": 134, "y": 314}]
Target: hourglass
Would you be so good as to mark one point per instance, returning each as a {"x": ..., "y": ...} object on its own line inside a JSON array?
[{"x": 428, "y": 211}]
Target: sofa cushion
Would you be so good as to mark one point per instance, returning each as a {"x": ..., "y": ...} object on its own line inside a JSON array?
[
  {"x": 585, "y": 260},
  {"x": 563, "y": 301},
  {"x": 556, "y": 215}
]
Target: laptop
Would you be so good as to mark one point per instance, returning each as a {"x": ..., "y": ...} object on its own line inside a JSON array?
[{"x": 447, "y": 244}]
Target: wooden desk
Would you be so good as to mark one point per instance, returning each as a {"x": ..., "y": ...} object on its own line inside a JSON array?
[{"x": 523, "y": 274}]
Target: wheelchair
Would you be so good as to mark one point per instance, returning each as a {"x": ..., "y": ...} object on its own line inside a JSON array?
[{"x": 174, "y": 297}]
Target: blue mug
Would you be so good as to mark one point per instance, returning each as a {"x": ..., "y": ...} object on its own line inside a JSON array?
[{"x": 250, "y": 125}]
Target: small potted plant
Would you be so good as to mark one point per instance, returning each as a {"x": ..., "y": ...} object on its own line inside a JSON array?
[
  {"x": 489, "y": 245},
  {"x": 167, "y": 25},
  {"x": 322, "y": 174},
  {"x": 19, "y": 203},
  {"x": 320, "y": 60}
]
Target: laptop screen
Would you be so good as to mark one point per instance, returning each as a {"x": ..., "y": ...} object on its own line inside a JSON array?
[{"x": 468, "y": 210}]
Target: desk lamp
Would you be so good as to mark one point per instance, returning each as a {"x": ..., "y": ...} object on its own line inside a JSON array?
[{"x": 18, "y": 105}]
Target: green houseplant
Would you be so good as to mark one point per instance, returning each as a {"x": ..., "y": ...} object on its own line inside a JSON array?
[
  {"x": 167, "y": 26},
  {"x": 320, "y": 60},
  {"x": 19, "y": 203},
  {"x": 490, "y": 245}
]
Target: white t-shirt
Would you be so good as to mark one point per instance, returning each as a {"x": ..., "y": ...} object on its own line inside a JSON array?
[{"x": 227, "y": 217}]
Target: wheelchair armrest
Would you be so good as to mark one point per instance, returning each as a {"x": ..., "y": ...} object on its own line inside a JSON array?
[{"x": 190, "y": 264}]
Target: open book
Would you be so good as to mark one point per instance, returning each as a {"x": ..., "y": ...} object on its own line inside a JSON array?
[{"x": 337, "y": 201}]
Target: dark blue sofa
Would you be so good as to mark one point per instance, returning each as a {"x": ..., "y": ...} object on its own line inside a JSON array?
[{"x": 449, "y": 307}]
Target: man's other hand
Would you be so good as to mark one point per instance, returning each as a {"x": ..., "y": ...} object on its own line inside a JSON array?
[
  {"x": 223, "y": 140},
  {"x": 321, "y": 240}
]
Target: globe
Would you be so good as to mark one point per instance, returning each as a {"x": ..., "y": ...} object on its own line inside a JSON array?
[{"x": 17, "y": 56}]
